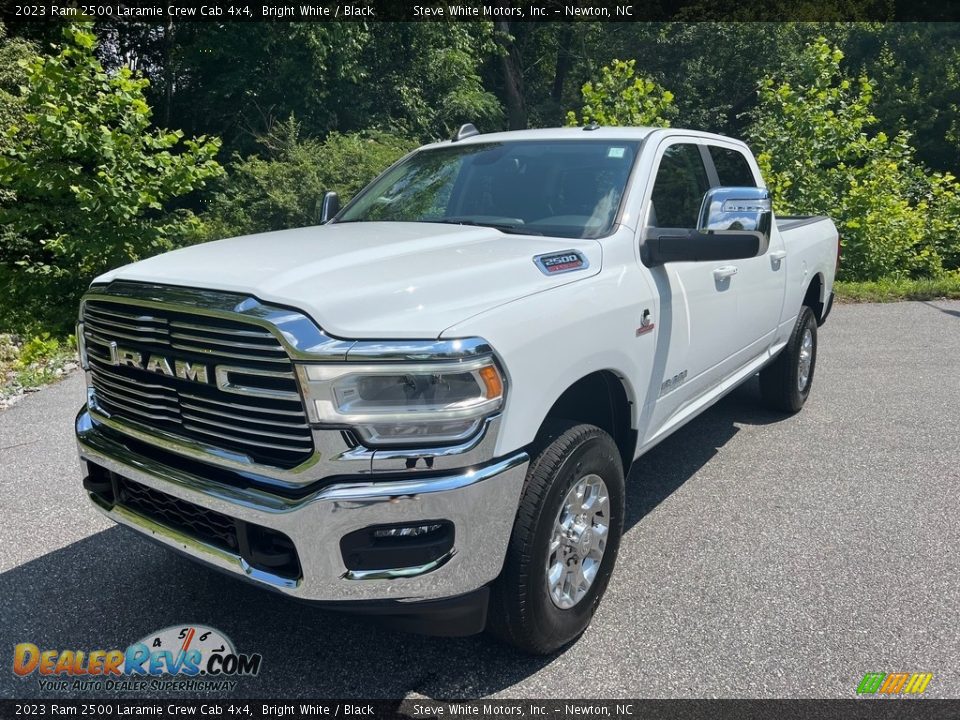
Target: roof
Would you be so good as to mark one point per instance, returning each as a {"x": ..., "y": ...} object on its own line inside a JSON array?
[
  {"x": 564, "y": 133},
  {"x": 579, "y": 133}
]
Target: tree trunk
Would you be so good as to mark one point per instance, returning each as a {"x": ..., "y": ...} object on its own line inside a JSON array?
[
  {"x": 512, "y": 81},
  {"x": 167, "y": 71},
  {"x": 564, "y": 60}
]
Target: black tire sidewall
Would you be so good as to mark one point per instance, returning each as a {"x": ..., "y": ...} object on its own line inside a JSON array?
[
  {"x": 596, "y": 455},
  {"x": 804, "y": 322}
]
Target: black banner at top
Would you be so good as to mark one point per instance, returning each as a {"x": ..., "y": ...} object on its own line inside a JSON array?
[{"x": 222, "y": 11}]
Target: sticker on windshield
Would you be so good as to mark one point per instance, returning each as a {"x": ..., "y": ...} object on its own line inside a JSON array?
[
  {"x": 561, "y": 262},
  {"x": 616, "y": 152}
]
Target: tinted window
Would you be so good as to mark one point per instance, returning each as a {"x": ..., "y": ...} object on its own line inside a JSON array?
[
  {"x": 569, "y": 188},
  {"x": 679, "y": 187},
  {"x": 732, "y": 167}
]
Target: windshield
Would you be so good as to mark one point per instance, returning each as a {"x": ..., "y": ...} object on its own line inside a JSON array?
[{"x": 569, "y": 189}]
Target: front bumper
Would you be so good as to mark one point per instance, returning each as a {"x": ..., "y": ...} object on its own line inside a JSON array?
[{"x": 480, "y": 502}]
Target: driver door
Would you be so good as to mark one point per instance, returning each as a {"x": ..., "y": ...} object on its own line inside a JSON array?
[{"x": 698, "y": 305}]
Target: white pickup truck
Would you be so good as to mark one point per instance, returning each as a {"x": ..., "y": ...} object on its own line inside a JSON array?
[{"x": 426, "y": 406}]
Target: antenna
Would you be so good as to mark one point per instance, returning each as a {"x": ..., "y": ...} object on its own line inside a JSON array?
[{"x": 465, "y": 131}]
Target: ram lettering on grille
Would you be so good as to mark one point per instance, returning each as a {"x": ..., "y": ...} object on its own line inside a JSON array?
[{"x": 225, "y": 383}]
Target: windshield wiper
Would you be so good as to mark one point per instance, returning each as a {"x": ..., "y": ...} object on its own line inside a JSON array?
[{"x": 502, "y": 227}]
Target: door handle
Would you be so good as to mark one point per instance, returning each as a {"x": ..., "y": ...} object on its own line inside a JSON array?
[
  {"x": 725, "y": 271},
  {"x": 776, "y": 258}
]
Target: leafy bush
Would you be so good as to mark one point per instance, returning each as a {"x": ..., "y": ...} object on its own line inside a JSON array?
[
  {"x": 90, "y": 182},
  {"x": 14, "y": 53},
  {"x": 38, "y": 348},
  {"x": 819, "y": 155},
  {"x": 285, "y": 188},
  {"x": 621, "y": 97}
]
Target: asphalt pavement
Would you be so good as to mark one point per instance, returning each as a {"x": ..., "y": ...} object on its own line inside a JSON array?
[{"x": 764, "y": 556}]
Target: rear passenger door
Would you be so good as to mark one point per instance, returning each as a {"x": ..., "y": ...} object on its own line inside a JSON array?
[{"x": 759, "y": 283}]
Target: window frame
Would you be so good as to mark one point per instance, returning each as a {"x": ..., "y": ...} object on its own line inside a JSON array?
[
  {"x": 702, "y": 143},
  {"x": 657, "y": 160},
  {"x": 733, "y": 147}
]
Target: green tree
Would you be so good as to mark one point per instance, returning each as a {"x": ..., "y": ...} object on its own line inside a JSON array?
[
  {"x": 423, "y": 79},
  {"x": 820, "y": 153},
  {"x": 91, "y": 181},
  {"x": 621, "y": 97},
  {"x": 713, "y": 67},
  {"x": 13, "y": 55},
  {"x": 237, "y": 80},
  {"x": 284, "y": 189},
  {"x": 916, "y": 67}
]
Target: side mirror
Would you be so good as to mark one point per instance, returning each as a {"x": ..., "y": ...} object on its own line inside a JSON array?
[
  {"x": 734, "y": 224},
  {"x": 736, "y": 209},
  {"x": 329, "y": 206}
]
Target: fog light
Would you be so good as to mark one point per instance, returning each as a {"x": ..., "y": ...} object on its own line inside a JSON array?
[
  {"x": 392, "y": 547},
  {"x": 406, "y": 531}
]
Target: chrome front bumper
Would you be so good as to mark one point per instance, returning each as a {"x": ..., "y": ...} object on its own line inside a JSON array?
[{"x": 481, "y": 502}]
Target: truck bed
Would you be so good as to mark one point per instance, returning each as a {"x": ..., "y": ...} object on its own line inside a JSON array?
[{"x": 790, "y": 222}]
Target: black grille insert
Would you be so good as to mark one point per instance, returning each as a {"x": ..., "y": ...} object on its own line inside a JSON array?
[{"x": 262, "y": 547}]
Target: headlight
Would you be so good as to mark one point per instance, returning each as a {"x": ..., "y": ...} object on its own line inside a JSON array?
[{"x": 405, "y": 404}]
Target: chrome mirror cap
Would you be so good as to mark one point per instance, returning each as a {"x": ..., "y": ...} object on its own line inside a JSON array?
[{"x": 737, "y": 209}]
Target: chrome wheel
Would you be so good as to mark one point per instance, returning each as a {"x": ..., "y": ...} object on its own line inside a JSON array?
[
  {"x": 578, "y": 542},
  {"x": 806, "y": 360}
]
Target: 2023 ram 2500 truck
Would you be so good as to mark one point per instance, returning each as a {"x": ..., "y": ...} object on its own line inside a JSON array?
[{"x": 426, "y": 407}]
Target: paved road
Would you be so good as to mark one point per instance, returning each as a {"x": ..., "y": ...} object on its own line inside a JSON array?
[{"x": 764, "y": 556}]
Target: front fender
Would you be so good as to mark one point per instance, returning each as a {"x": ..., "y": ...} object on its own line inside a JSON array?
[{"x": 550, "y": 340}]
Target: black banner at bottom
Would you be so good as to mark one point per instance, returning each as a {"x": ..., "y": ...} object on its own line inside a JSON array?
[{"x": 425, "y": 709}]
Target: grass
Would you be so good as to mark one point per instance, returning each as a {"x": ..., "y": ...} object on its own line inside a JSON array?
[{"x": 881, "y": 291}]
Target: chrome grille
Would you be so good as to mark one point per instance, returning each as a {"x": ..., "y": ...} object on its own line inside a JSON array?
[{"x": 264, "y": 420}]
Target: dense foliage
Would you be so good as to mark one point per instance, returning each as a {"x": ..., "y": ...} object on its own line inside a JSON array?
[
  {"x": 858, "y": 121},
  {"x": 821, "y": 152},
  {"x": 13, "y": 56},
  {"x": 283, "y": 187},
  {"x": 621, "y": 97},
  {"x": 88, "y": 181}
]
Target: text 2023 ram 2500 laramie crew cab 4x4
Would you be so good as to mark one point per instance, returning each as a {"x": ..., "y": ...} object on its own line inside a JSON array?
[{"x": 426, "y": 406}]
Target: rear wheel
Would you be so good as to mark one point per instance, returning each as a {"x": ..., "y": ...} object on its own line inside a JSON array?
[
  {"x": 564, "y": 542},
  {"x": 785, "y": 383}
]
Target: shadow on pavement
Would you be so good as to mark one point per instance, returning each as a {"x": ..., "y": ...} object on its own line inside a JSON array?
[
  {"x": 662, "y": 470},
  {"x": 113, "y": 588},
  {"x": 945, "y": 311}
]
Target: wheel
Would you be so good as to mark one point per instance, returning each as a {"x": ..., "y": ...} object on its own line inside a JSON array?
[
  {"x": 564, "y": 542},
  {"x": 785, "y": 383}
]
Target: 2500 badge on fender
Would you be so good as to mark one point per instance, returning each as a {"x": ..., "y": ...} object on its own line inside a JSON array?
[{"x": 427, "y": 406}]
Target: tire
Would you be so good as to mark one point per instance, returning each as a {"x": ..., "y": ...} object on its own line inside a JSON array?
[
  {"x": 783, "y": 384},
  {"x": 526, "y": 610}
]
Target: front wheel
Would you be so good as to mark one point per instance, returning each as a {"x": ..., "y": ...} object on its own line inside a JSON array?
[
  {"x": 564, "y": 542},
  {"x": 785, "y": 383}
]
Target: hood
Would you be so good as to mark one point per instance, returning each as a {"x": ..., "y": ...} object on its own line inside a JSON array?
[{"x": 371, "y": 280}]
